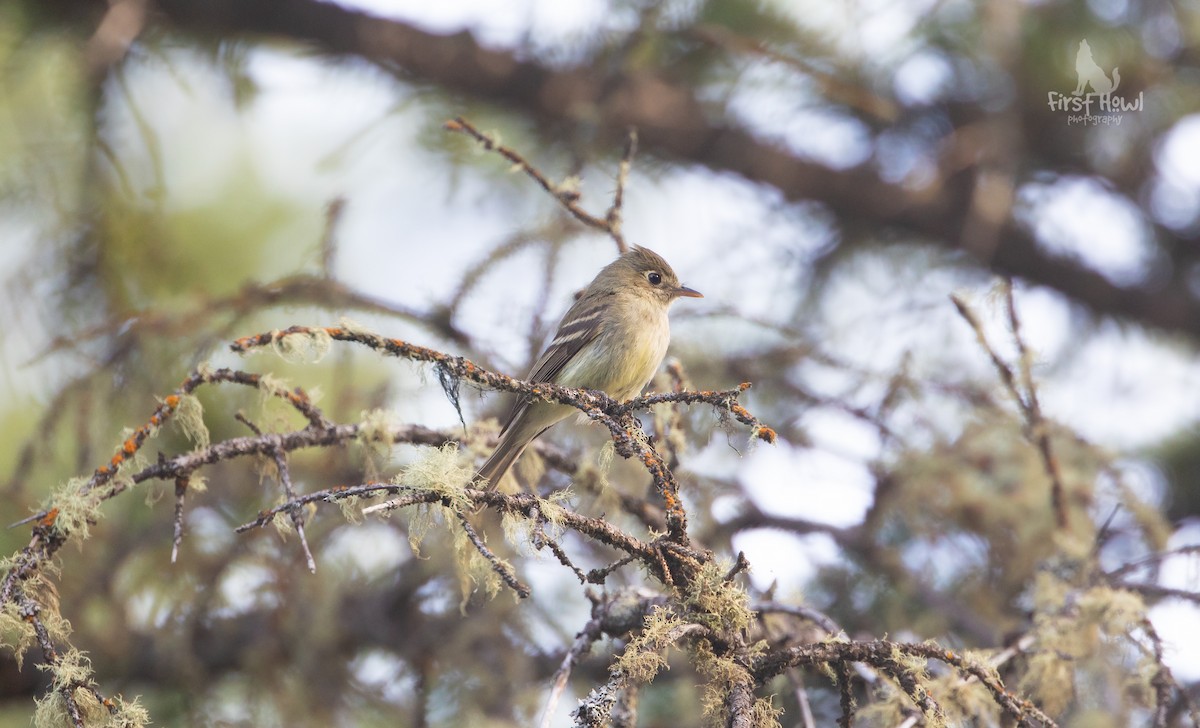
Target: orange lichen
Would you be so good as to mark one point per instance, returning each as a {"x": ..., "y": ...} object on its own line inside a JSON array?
[
  {"x": 49, "y": 519},
  {"x": 172, "y": 401},
  {"x": 766, "y": 434},
  {"x": 129, "y": 447}
]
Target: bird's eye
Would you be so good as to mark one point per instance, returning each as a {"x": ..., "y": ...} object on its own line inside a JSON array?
[{"x": 654, "y": 278}]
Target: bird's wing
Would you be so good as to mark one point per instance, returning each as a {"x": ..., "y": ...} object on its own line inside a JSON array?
[{"x": 582, "y": 324}]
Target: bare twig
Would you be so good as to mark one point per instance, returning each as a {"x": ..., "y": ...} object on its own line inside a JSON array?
[
  {"x": 1153, "y": 560},
  {"x": 614, "y": 215},
  {"x": 590, "y": 633},
  {"x": 296, "y": 514},
  {"x": 1036, "y": 429},
  {"x": 815, "y": 616},
  {"x": 541, "y": 538},
  {"x": 181, "y": 486},
  {"x": 333, "y": 217},
  {"x": 566, "y": 196},
  {"x": 502, "y": 569},
  {"x": 279, "y": 455},
  {"x": 1037, "y": 426},
  {"x": 597, "y": 576}
]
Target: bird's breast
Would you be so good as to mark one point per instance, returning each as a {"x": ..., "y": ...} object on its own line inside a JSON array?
[{"x": 647, "y": 335}]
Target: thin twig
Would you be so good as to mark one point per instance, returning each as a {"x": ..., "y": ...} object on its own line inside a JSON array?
[
  {"x": 1153, "y": 560},
  {"x": 1036, "y": 429},
  {"x": 503, "y": 570},
  {"x": 566, "y": 196},
  {"x": 590, "y": 633},
  {"x": 296, "y": 514},
  {"x": 815, "y": 616},
  {"x": 541, "y": 538},
  {"x": 614, "y": 215},
  {"x": 597, "y": 576},
  {"x": 333, "y": 217},
  {"x": 181, "y": 486},
  {"x": 279, "y": 455},
  {"x": 1037, "y": 426}
]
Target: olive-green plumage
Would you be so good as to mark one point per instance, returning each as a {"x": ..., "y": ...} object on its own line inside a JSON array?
[{"x": 613, "y": 339}]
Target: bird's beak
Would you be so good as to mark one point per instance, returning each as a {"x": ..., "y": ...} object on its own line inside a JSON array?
[{"x": 686, "y": 292}]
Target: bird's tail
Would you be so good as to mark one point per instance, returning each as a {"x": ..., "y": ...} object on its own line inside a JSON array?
[{"x": 500, "y": 461}]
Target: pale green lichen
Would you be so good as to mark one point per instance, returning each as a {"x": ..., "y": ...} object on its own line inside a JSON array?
[
  {"x": 272, "y": 415},
  {"x": 190, "y": 417},
  {"x": 282, "y": 521},
  {"x": 128, "y": 714},
  {"x": 1115, "y": 611},
  {"x": 350, "y": 508},
  {"x": 72, "y": 668},
  {"x": 716, "y": 602},
  {"x": 474, "y": 570},
  {"x": 604, "y": 458},
  {"x": 553, "y": 509},
  {"x": 722, "y": 673},
  {"x": 16, "y": 634},
  {"x": 643, "y": 657},
  {"x": 304, "y": 346},
  {"x": 521, "y": 530},
  {"x": 765, "y": 714},
  {"x": 965, "y": 700},
  {"x": 375, "y": 436},
  {"x": 1083, "y": 634},
  {"x": 375, "y": 428},
  {"x": 444, "y": 471},
  {"x": 50, "y": 711},
  {"x": 1049, "y": 678},
  {"x": 887, "y": 708},
  {"x": 76, "y": 508},
  {"x": 518, "y": 529},
  {"x": 354, "y": 327}
]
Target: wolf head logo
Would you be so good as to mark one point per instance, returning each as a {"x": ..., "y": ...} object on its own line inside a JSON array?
[{"x": 1091, "y": 74}]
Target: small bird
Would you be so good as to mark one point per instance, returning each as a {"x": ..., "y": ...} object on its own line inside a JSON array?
[{"x": 612, "y": 339}]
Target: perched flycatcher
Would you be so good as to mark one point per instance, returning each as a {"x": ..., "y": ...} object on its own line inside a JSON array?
[{"x": 612, "y": 339}]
